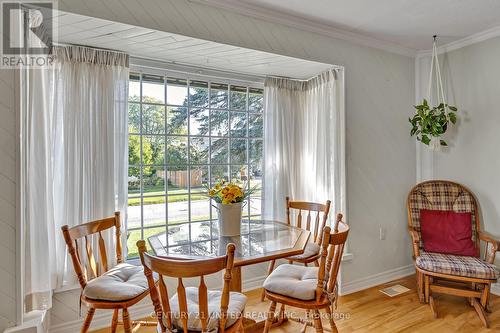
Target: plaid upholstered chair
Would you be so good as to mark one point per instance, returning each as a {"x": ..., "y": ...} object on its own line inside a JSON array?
[{"x": 472, "y": 276}]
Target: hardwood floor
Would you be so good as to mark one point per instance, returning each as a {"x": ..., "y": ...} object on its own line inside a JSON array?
[{"x": 371, "y": 311}]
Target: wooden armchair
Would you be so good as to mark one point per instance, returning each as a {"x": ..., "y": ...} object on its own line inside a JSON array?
[
  {"x": 312, "y": 251},
  {"x": 117, "y": 288},
  {"x": 309, "y": 288},
  {"x": 464, "y": 276},
  {"x": 194, "y": 309}
]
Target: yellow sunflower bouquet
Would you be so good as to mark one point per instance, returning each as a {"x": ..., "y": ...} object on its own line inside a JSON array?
[{"x": 229, "y": 193}]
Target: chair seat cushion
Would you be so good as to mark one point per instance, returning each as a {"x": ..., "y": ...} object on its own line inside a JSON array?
[
  {"x": 456, "y": 265},
  {"x": 312, "y": 249},
  {"x": 120, "y": 283},
  {"x": 237, "y": 302},
  {"x": 293, "y": 281}
]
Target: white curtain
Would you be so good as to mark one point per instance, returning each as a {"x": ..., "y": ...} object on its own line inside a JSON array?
[
  {"x": 304, "y": 148},
  {"x": 74, "y": 164}
]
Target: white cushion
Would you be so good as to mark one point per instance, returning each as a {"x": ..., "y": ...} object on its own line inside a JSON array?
[
  {"x": 311, "y": 249},
  {"x": 236, "y": 307},
  {"x": 293, "y": 281},
  {"x": 120, "y": 283}
]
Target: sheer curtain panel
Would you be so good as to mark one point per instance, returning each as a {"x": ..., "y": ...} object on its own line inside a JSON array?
[
  {"x": 74, "y": 165},
  {"x": 304, "y": 148}
]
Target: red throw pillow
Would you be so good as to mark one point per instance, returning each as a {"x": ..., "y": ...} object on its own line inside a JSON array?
[{"x": 447, "y": 232}]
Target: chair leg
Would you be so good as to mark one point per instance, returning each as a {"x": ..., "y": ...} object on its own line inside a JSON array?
[
  {"x": 317, "y": 322},
  {"x": 270, "y": 317},
  {"x": 333, "y": 327},
  {"x": 426, "y": 288},
  {"x": 127, "y": 327},
  {"x": 88, "y": 320},
  {"x": 420, "y": 287},
  {"x": 114, "y": 321},
  {"x": 480, "y": 311},
  {"x": 316, "y": 263},
  {"x": 305, "y": 264},
  {"x": 269, "y": 271}
]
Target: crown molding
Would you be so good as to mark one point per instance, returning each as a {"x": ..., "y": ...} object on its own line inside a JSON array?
[
  {"x": 304, "y": 24},
  {"x": 458, "y": 44}
]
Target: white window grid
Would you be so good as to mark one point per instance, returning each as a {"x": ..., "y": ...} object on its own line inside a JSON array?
[{"x": 188, "y": 165}]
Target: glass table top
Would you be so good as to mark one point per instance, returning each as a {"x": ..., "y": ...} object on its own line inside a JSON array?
[{"x": 260, "y": 240}]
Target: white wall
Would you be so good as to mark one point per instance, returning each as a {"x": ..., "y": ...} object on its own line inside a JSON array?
[
  {"x": 8, "y": 153},
  {"x": 472, "y": 83}
]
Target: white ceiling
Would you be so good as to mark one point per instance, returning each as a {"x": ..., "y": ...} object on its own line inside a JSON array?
[
  {"x": 168, "y": 47},
  {"x": 409, "y": 23}
]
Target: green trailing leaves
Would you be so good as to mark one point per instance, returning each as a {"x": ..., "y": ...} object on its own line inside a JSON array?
[{"x": 432, "y": 122}]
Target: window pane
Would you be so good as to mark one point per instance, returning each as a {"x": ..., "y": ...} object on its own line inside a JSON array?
[
  {"x": 177, "y": 91},
  {"x": 177, "y": 150},
  {"x": 178, "y": 179},
  {"x": 177, "y": 120},
  {"x": 134, "y": 117},
  {"x": 198, "y": 93},
  {"x": 153, "y": 119},
  {"x": 134, "y": 182},
  {"x": 198, "y": 122},
  {"x": 155, "y": 211},
  {"x": 238, "y": 151},
  {"x": 153, "y": 90},
  {"x": 255, "y": 126},
  {"x": 134, "y": 150},
  {"x": 132, "y": 238},
  {"x": 200, "y": 208},
  {"x": 177, "y": 209},
  {"x": 219, "y": 122},
  {"x": 134, "y": 87},
  {"x": 238, "y": 98},
  {"x": 255, "y": 151},
  {"x": 238, "y": 124},
  {"x": 199, "y": 179},
  {"x": 239, "y": 173},
  {"x": 218, "y": 172},
  {"x": 134, "y": 215},
  {"x": 199, "y": 150},
  {"x": 153, "y": 180},
  {"x": 255, "y": 100},
  {"x": 153, "y": 149},
  {"x": 218, "y": 95},
  {"x": 220, "y": 152}
]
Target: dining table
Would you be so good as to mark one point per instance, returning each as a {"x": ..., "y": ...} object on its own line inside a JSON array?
[{"x": 259, "y": 241}]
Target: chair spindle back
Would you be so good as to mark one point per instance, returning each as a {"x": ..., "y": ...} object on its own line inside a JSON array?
[
  {"x": 181, "y": 268},
  {"x": 84, "y": 233},
  {"x": 331, "y": 256},
  {"x": 309, "y": 207}
]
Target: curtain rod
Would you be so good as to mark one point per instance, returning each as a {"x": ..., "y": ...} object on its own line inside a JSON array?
[{"x": 334, "y": 67}]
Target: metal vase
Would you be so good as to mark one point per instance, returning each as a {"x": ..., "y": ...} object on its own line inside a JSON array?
[{"x": 229, "y": 219}]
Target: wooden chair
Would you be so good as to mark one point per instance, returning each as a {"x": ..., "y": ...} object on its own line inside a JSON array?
[
  {"x": 469, "y": 277},
  {"x": 312, "y": 252},
  {"x": 117, "y": 288},
  {"x": 194, "y": 309},
  {"x": 309, "y": 288}
]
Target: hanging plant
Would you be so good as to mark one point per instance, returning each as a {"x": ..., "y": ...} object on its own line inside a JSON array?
[{"x": 430, "y": 123}]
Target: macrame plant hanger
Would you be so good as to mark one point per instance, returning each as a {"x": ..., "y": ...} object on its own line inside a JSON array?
[{"x": 435, "y": 144}]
